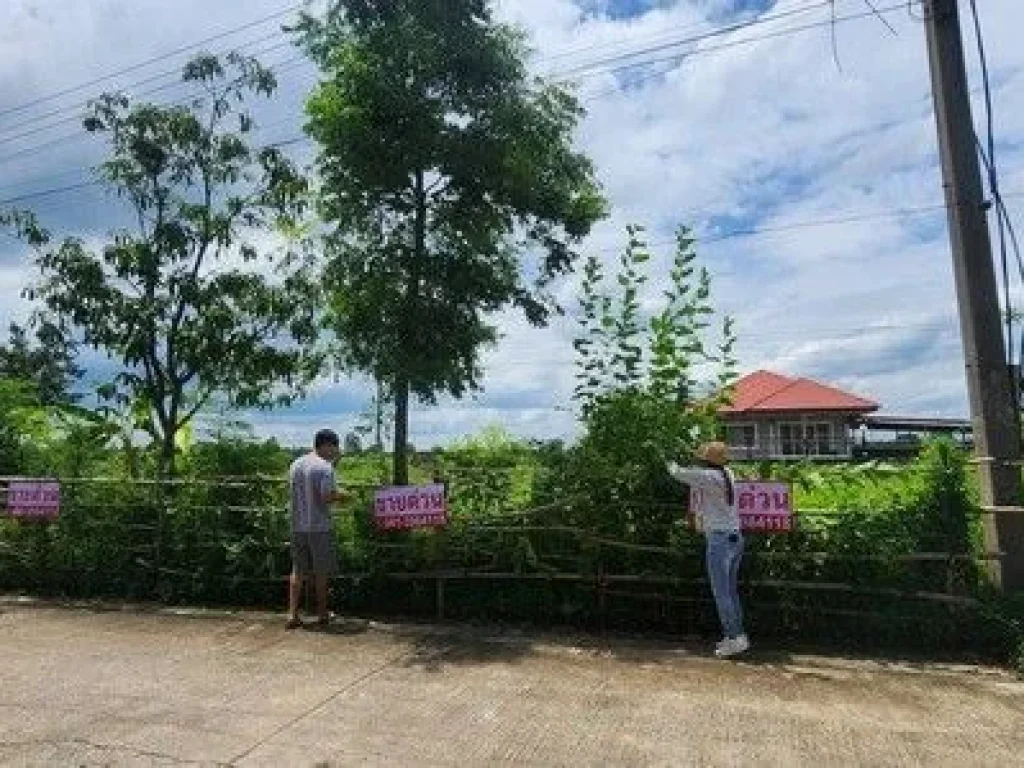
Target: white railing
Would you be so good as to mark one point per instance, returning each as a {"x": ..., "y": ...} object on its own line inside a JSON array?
[{"x": 839, "y": 448}]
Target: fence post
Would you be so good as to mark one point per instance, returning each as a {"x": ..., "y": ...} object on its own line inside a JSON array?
[
  {"x": 161, "y": 514},
  {"x": 439, "y": 596},
  {"x": 955, "y": 537},
  {"x": 602, "y": 598}
]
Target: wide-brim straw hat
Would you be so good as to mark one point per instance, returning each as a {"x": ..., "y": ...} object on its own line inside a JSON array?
[{"x": 713, "y": 453}]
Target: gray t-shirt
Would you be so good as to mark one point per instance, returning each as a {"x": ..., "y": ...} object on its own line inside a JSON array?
[
  {"x": 310, "y": 480},
  {"x": 718, "y": 513}
]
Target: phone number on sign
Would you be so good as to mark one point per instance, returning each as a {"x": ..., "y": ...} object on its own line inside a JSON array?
[{"x": 766, "y": 522}]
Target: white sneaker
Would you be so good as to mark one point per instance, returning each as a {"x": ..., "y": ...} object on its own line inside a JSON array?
[{"x": 732, "y": 646}]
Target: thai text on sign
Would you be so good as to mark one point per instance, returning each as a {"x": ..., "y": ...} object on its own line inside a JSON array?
[
  {"x": 410, "y": 506},
  {"x": 33, "y": 499},
  {"x": 763, "y": 506}
]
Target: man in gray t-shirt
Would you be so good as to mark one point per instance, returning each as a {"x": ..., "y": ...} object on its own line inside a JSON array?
[{"x": 313, "y": 488}]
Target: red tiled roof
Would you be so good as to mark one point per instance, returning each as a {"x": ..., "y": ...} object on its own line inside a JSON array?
[{"x": 764, "y": 391}]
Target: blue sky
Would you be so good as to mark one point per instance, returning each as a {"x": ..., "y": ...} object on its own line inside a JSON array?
[
  {"x": 736, "y": 133},
  {"x": 619, "y": 9},
  {"x": 631, "y": 9}
]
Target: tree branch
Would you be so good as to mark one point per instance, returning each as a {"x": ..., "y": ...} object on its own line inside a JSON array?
[{"x": 191, "y": 412}]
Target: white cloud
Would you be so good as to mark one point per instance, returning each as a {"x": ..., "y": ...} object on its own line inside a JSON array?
[{"x": 765, "y": 135}]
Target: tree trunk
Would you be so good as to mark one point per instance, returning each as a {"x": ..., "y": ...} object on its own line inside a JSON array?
[
  {"x": 401, "y": 393},
  {"x": 167, "y": 465},
  {"x": 401, "y": 457},
  {"x": 379, "y": 441},
  {"x": 165, "y": 471}
]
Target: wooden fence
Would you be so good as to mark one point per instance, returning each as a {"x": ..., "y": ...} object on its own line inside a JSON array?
[{"x": 160, "y": 531}]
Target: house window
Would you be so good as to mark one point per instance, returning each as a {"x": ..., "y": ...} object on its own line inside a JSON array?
[
  {"x": 818, "y": 438},
  {"x": 810, "y": 439},
  {"x": 741, "y": 435},
  {"x": 791, "y": 439}
]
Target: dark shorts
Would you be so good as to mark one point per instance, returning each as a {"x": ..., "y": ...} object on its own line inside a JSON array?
[{"x": 314, "y": 553}]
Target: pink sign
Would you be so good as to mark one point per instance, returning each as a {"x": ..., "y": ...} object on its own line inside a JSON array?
[
  {"x": 410, "y": 506},
  {"x": 33, "y": 499},
  {"x": 763, "y": 506}
]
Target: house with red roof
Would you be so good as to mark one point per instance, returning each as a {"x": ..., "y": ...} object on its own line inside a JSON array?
[{"x": 774, "y": 416}]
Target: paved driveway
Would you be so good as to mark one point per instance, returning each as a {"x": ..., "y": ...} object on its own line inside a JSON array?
[{"x": 128, "y": 688}]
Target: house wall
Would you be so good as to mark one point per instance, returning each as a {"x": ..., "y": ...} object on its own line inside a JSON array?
[{"x": 773, "y": 436}]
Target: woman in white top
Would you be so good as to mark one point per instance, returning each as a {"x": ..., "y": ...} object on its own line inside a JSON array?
[{"x": 721, "y": 523}]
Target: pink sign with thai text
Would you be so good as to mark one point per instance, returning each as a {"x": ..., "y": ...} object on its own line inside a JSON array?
[
  {"x": 33, "y": 499},
  {"x": 763, "y": 506},
  {"x": 410, "y": 506}
]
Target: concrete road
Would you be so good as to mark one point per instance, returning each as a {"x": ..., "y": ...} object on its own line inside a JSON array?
[{"x": 84, "y": 687}]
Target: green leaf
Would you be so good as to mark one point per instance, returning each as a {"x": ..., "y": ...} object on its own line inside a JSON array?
[{"x": 167, "y": 300}]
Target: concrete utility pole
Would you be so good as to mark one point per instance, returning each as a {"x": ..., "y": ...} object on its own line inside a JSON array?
[{"x": 993, "y": 412}]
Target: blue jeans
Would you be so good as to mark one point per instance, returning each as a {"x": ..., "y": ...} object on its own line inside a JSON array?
[{"x": 724, "y": 552}]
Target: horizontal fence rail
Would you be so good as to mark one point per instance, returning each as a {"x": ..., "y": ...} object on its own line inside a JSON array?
[{"x": 225, "y": 539}]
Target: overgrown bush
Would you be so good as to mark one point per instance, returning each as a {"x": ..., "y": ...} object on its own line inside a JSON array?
[
  {"x": 636, "y": 382},
  {"x": 594, "y": 534}
]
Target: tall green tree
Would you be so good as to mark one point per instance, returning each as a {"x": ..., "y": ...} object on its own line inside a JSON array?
[
  {"x": 190, "y": 300},
  {"x": 446, "y": 169},
  {"x": 45, "y": 360}
]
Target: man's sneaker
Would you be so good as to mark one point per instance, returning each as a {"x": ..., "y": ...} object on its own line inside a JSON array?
[{"x": 732, "y": 646}]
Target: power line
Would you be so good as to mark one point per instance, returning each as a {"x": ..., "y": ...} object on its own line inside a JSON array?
[
  {"x": 26, "y": 131},
  {"x": 1004, "y": 225},
  {"x": 798, "y": 335},
  {"x": 79, "y": 135},
  {"x": 272, "y": 36},
  {"x": 896, "y": 213},
  {"x": 881, "y": 18},
  {"x": 168, "y": 73},
  {"x": 995, "y": 414},
  {"x": 47, "y": 192},
  {"x": 740, "y": 233},
  {"x": 708, "y": 35},
  {"x": 724, "y": 46},
  {"x": 16, "y": 188},
  {"x": 713, "y": 33},
  {"x": 95, "y": 183},
  {"x": 675, "y": 42},
  {"x": 717, "y": 32},
  {"x": 785, "y": 32},
  {"x": 286, "y": 142},
  {"x": 651, "y": 39},
  {"x": 143, "y": 64}
]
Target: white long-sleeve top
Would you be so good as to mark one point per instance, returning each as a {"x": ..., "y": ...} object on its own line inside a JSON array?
[{"x": 718, "y": 514}]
